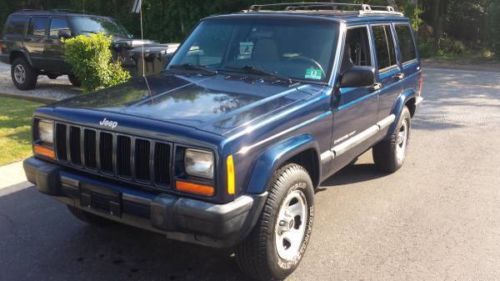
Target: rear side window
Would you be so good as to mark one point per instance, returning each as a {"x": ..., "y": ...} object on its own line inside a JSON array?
[
  {"x": 406, "y": 43},
  {"x": 38, "y": 26},
  {"x": 384, "y": 45},
  {"x": 16, "y": 25},
  {"x": 57, "y": 25}
]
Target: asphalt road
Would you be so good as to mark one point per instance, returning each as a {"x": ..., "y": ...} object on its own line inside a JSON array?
[{"x": 436, "y": 219}]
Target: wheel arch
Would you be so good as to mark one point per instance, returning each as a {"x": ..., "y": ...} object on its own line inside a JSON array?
[
  {"x": 19, "y": 54},
  {"x": 408, "y": 99},
  {"x": 301, "y": 150}
]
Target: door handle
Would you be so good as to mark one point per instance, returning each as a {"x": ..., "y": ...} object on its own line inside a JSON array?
[
  {"x": 399, "y": 76},
  {"x": 376, "y": 86}
]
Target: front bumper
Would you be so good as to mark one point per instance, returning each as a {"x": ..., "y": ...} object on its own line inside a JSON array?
[{"x": 179, "y": 218}]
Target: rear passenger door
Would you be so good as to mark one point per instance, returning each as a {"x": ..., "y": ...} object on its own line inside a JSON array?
[
  {"x": 389, "y": 71},
  {"x": 36, "y": 40},
  {"x": 408, "y": 56}
]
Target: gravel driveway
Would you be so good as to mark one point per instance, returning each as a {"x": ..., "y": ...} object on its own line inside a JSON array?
[{"x": 438, "y": 218}]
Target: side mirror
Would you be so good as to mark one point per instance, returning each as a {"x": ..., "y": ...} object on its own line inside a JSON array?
[
  {"x": 358, "y": 76},
  {"x": 64, "y": 34}
]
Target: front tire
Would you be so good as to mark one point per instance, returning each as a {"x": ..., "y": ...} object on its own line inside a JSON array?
[
  {"x": 389, "y": 155},
  {"x": 276, "y": 245},
  {"x": 23, "y": 75}
]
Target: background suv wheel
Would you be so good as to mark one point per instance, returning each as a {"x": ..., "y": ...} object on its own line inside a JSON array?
[{"x": 23, "y": 75}]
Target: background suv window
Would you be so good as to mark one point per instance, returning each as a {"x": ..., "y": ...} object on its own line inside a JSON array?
[
  {"x": 16, "y": 25},
  {"x": 384, "y": 45},
  {"x": 38, "y": 26},
  {"x": 58, "y": 24},
  {"x": 356, "y": 49},
  {"x": 406, "y": 43}
]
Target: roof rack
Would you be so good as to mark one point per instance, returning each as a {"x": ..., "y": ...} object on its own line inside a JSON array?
[{"x": 364, "y": 9}]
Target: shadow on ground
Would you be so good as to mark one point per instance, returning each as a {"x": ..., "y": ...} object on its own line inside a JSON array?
[{"x": 39, "y": 238}]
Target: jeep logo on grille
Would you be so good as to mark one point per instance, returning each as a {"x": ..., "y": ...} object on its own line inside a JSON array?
[{"x": 108, "y": 123}]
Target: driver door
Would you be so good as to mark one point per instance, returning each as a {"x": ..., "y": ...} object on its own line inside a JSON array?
[
  {"x": 357, "y": 108},
  {"x": 54, "y": 51}
]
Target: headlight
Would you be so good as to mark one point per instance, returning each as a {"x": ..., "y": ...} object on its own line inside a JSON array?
[
  {"x": 199, "y": 163},
  {"x": 46, "y": 132}
]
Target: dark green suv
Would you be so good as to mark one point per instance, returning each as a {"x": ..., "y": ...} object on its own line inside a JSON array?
[{"x": 31, "y": 42}]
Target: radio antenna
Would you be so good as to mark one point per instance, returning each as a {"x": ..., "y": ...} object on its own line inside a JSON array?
[{"x": 137, "y": 8}]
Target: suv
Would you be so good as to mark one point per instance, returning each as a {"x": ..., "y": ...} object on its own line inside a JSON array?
[
  {"x": 31, "y": 42},
  {"x": 228, "y": 145}
]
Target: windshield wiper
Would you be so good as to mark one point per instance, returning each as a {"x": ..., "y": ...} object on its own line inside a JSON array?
[
  {"x": 194, "y": 67},
  {"x": 258, "y": 71}
]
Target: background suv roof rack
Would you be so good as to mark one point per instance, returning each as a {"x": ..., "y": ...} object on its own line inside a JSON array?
[{"x": 363, "y": 9}]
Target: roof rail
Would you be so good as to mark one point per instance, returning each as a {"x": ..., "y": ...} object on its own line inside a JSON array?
[{"x": 363, "y": 9}]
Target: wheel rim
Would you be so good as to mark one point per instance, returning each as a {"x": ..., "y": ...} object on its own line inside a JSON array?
[
  {"x": 402, "y": 141},
  {"x": 19, "y": 74},
  {"x": 291, "y": 225}
]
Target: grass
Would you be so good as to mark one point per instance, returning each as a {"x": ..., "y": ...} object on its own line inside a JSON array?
[{"x": 15, "y": 129}]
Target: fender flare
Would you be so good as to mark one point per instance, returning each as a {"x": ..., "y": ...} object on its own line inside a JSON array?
[
  {"x": 399, "y": 105},
  {"x": 24, "y": 53},
  {"x": 269, "y": 161}
]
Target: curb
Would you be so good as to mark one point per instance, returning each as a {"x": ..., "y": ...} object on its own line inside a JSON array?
[{"x": 29, "y": 98}]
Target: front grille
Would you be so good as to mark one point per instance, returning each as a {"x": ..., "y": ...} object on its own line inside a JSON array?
[{"x": 133, "y": 159}]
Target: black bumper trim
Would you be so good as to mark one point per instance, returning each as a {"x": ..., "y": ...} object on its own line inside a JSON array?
[{"x": 179, "y": 218}]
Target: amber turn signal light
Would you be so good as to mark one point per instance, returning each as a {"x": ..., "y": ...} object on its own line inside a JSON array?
[
  {"x": 194, "y": 188},
  {"x": 44, "y": 151}
]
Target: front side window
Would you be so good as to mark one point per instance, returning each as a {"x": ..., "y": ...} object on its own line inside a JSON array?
[
  {"x": 406, "y": 42},
  {"x": 384, "y": 45},
  {"x": 38, "y": 26},
  {"x": 356, "y": 49},
  {"x": 16, "y": 25},
  {"x": 296, "y": 49},
  {"x": 59, "y": 25}
]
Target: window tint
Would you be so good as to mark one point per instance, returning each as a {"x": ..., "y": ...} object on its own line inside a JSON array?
[
  {"x": 384, "y": 46},
  {"x": 58, "y": 24},
  {"x": 38, "y": 26},
  {"x": 356, "y": 49},
  {"x": 16, "y": 25},
  {"x": 406, "y": 43}
]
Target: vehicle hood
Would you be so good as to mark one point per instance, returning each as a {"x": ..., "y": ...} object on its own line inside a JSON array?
[{"x": 217, "y": 104}]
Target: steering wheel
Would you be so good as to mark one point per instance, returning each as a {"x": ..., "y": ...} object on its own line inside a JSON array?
[{"x": 310, "y": 60}]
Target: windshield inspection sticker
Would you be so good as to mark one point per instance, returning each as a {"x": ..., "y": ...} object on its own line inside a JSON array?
[
  {"x": 313, "y": 73},
  {"x": 246, "y": 50}
]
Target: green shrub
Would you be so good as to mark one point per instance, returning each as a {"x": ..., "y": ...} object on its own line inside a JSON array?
[
  {"x": 426, "y": 48},
  {"x": 91, "y": 60},
  {"x": 451, "y": 47}
]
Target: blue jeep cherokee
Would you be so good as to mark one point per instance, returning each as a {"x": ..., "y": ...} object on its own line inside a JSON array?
[{"x": 227, "y": 146}]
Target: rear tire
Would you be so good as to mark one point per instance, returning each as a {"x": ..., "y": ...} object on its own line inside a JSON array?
[
  {"x": 89, "y": 218},
  {"x": 276, "y": 245},
  {"x": 23, "y": 75},
  {"x": 74, "y": 80},
  {"x": 389, "y": 155}
]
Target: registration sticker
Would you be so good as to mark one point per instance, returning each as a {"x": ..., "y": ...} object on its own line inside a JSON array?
[{"x": 314, "y": 74}]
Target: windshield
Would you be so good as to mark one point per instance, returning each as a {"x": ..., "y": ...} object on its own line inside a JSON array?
[
  {"x": 85, "y": 25},
  {"x": 295, "y": 48}
]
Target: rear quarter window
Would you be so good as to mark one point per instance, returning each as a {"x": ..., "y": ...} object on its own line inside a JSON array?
[
  {"x": 16, "y": 25},
  {"x": 406, "y": 42}
]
